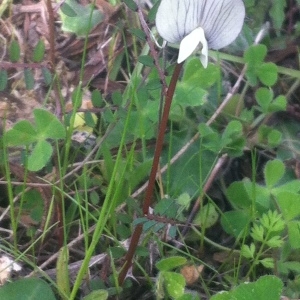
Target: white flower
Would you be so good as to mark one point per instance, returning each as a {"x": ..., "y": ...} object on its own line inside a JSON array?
[{"x": 213, "y": 23}]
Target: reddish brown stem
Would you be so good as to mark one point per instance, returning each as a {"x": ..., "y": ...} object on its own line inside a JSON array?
[
  {"x": 150, "y": 188},
  {"x": 160, "y": 138}
]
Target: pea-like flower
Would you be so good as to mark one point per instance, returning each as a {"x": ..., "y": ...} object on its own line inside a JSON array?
[{"x": 192, "y": 23}]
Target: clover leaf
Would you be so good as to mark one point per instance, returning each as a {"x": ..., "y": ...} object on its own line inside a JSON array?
[
  {"x": 47, "y": 126},
  {"x": 267, "y": 73}
]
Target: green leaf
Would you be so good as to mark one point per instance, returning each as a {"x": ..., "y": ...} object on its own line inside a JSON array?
[
  {"x": 275, "y": 242},
  {"x": 233, "y": 140},
  {"x": 117, "y": 252},
  {"x": 259, "y": 195},
  {"x": 236, "y": 147},
  {"x": 29, "y": 80},
  {"x": 251, "y": 75},
  {"x": 267, "y": 73},
  {"x": 22, "y": 133},
  {"x": 27, "y": 288},
  {"x": 39, "y": 51},
  {"x": 184, "y": 200},
  {"x": 279, "y": 104},
  {"x": 258, "y": 232},
  {"x": 14, "y": 51},
  {"x": 289, "y": 203},
  {"x": 277, "y": 13},
  {"x": 233, "y": 129},
  {"x": 265, "y": 288},
  {"x": 146, "y": 60},
  {"x": 167, "y": 208},
  {"x": 152, "y": 12},
  {"x": 186, "y": 296},
  {"x": 123, "y": 231},
  {"x": 265, "y": 220},
  {"x": 264, "y": 97},
  {"x": 172, "y": 231},
  {"x": 170, "y": 263},
  {"x": 148, "y": 225},
  {"x": 189, "y": 95},
  {"x": 235, "y": 223},
  {"x": 48, "y": 126},
  {"x": 273, "y": 172},
  {"x": 194, "y": 73},
  {"x": 174, "y": 283},
  {"x": 97, "y": 98},
  {"x": 248, "y": 251},
  {"x": 293, "y": 266},
  {"x": 47, "y": 76},
  {"x": 255, "y": 54},
  {"x": 205, "y": 130},
  {"x": 62, "y": 272},
  {"x": 234, "y": 107},
  {"x": 131, "y": 4},
  {"x": 272, "y": 221},
  {"x": 209, "y": 138},
  {"x": 3, "y": 79},
  {"x": 90, "y": 119},
  {"x": 34, "y": 203},
  {"x": 158, "y": 226},
  {"x": 291, "y": 186},
  {"x": 294, "y": 234},
  {"x": 117, "y": 98},
  {"x": 94, "y": 197},
  {"x": 40, "y": 156},
  {"x": 153, "y": 84},
  {"x": 267, "y": 262},
  {"x": 269, "y": 136},
  {"x": 140, "y": 34},
  {"x": 139, "y": 221},
  {"x": 207, "y": 216},
  {"x": 97, "y": 295},
  {"x": 77, "y": 19},
  {"x": 140, "y": 173},
  {"x": 238, "y": 195},
  {"x": 274, "y": 138},
  {"x": 68, "y": 10}
]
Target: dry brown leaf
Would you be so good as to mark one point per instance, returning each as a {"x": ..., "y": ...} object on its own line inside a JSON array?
[{"x": 191, "y": 273}]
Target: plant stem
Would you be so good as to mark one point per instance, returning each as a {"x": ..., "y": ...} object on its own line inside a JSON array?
[
  {"x": 160, "y": 138},
  {"x": 150, "y": 188}
]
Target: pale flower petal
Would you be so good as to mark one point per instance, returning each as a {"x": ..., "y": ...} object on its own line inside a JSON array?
[
  {"x": 204, "y": 53},
  {"x": 172, "y": 22},
  {"x": 221, "y": 20},
  {"x": 189, "y": 44}
]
